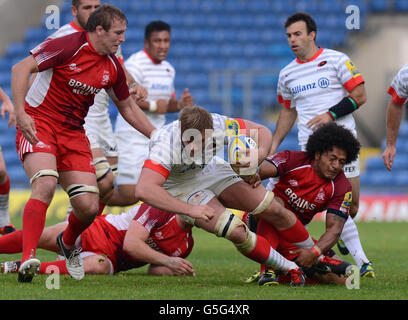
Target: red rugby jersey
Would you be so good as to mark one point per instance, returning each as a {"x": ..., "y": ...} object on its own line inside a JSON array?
[
  {"x": 304, "y": 192},
  {"x": 72, "y": 72}
]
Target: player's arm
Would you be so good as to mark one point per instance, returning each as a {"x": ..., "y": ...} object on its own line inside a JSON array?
[
  {"x": 286, "y": 120},
  {"x": 20, "y": 74},
  {"x": 136, "y": 247},
  {"x": 149, "y": 189},
  {"x": 162, "y": 106},
  {"x": 7, "y": 107},
  {"x": 394, "y": 116},
  {"x": 267, "y": 170},
  {"x": 263, "y": 137},
  {"x": 135, "y": 116},
  {"x": 356, "y": 98},
  {"x": 334, "y": 227}
]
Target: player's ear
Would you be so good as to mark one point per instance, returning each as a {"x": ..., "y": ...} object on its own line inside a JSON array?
[{"x": 99, "y": 30}]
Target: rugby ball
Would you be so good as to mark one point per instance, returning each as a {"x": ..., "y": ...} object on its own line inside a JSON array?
[{"x": 237, "y": 150}]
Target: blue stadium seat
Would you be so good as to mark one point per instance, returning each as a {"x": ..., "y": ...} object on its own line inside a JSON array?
[
  {"x": 401, "y": 5},
  {"x": 379, "y": 5}
]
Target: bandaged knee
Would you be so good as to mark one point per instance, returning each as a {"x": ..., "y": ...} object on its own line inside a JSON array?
[
  {"x": 264, "y": 203},
  {"x": 102, "y": 168},
  {"x": 77, "y": 189},
  {"x": 44, "y": 173}
]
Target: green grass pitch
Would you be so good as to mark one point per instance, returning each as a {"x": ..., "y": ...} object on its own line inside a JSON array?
[{"x": 220, "y": 271}]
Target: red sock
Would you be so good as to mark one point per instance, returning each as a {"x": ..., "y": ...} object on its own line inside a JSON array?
[
  {"x": 295, "y": 234},
  {"x": 261, "y": 251},
  {"x": 33, "y": 226},
  {"x": 5, "y": 187},
  {"x": 73, "y": 230},
  {"x": 101, "y": 207},
  {"x": 267, "y": 231},
  {"x": 12, "y": 242},
  {"x": 62, "y": 266}
]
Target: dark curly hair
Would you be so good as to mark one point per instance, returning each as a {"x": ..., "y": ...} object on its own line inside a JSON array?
[{"x": 333, "y": 135}]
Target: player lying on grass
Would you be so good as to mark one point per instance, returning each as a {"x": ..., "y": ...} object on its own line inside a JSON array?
[
  {"x": 307, "y": 183},
  {"x": 113, "y": 243}
]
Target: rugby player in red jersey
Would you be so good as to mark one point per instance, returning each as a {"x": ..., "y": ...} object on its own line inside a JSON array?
[
  {"x": 306, "y": 183},
  {"x": 113, "y": 243},
  {"x": 51, "y": 140}
]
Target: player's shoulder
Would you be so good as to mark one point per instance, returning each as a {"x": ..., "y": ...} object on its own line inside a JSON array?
[
  {"x": 292, "y": 158},
  {"x": 65, "y": 30},
  {"x": 341, "y": 182},
  {"x": 334, "y": 56},
  {"x": 403, "y": 72},
  {"x": 136, "y": 57}
]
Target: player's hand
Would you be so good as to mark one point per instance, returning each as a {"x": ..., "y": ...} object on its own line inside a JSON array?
[
  {"x": 306, "y": 257},
  {"x": 186, "y": 99},
  {"x": 180, "y": 266},
  {"x": 139, "y": 92},
  {"x": 7, "y": 107},
  {"x": 254, "y": 180},
  {"x": 173, "y": 105},
  {"x": 27, "y": 128},
  {"x": 318, "y": 121},
  {"x": 388, "y": 156},
  {"x": 203, "y": 212}
]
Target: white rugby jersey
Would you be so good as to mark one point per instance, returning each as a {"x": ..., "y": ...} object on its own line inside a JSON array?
[
  {"x": 314, "y": 86},
  {"x": 101, "y": 102},
  {"x": 157, "y": 78},
  {"x": 399, "y": 86},
  {"x": 166, "y": 148}
]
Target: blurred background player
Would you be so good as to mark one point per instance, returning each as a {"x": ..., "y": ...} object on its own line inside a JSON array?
[
  {"x": 310, "y": 182},
  {"x": 113, "y": 243},
  {"x": 320, "y": 86},
  {"x": 399, "y": 94},
  {"x": 51, "y": 141},
  {"x": 5, "y": 225},
  {"x": 98, "y": 126},
  {"x": 150, "y": 69}
]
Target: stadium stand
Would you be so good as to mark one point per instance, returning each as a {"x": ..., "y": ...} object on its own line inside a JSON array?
[{"x": 228, "y": 53}]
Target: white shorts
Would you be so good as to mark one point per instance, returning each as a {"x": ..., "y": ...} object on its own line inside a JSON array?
[
  {"x": 133, "y": 148},
  {"x": 209, "y": 183},
  {"x": 98, "y": 126}
]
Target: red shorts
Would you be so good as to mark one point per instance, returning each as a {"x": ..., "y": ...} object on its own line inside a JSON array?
[{"x": 70, "y": 147}]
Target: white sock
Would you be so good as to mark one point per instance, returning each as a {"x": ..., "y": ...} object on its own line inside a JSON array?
[
  {"x": 351, "y": 239},
  {"x": 308, "y": 243},
  {"x": 277, "y": 261},
  {"x": 4, "y": 214}
]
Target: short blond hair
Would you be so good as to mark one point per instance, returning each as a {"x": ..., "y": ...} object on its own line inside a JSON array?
[{"x": 195, "y": 117}]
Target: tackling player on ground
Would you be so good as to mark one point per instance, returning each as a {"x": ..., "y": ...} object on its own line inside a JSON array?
[
  {"x": 309, "y": 182},
  {"x": 320, "y": 86}
]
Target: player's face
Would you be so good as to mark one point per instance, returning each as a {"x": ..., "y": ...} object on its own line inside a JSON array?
[
  {"x": 299, "y": 40},
  {"x": 112, "y": 38},
  {"x": 157, "y": 46},
  {"x": 329, "y": 164},
  {"x": 84, "y": 10}
]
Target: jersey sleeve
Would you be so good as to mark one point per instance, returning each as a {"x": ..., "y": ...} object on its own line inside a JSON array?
[
  {"x": 118, "y": 90},
  {"x": 162, "y": 154},
  {"x": 284, "y": 93},
  {"x": 348, "y": 73},
  {"x": 281, "y": 161},
  {"x": 340, "y": 203},
  {"x": 151, "y": 218},
  {"x": 399, "y": 86},
  {"x": 54, "y": 52}
]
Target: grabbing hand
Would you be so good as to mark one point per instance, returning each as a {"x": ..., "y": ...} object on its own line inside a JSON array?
[
  {"x": 7, "y": 107},
  {"x": 319, "y": 120}
]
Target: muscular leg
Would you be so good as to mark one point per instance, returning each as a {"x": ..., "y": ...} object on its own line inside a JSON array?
[{"x": 4, "y": 193}]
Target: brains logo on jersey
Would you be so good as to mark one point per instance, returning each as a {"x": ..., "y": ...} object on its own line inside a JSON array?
[
  {"x": 345, "y": 206},
  {"x": 352, "y": 68}
]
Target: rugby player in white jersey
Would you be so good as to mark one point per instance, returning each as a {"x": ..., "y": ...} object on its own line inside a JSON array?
[
  {"x": 182, "y": 175},
  {"x": 151, "y": 70},
  {"x": 319, "y": 86},
  {"x": 97, "y": 125},
  {"x": 399, "y": 94}
]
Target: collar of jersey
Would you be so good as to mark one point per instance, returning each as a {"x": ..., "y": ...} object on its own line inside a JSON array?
[
  {"x": 77, "y": 28},
  {"x": 312, "y": 58},
  {"x": 150, "y": 57}
]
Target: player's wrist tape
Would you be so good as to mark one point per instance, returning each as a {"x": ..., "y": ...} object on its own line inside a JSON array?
[
  {"x": 346, "y": 106},
  {"x": 152, "y": 106},
  {"x": 316, "y": 250}
]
